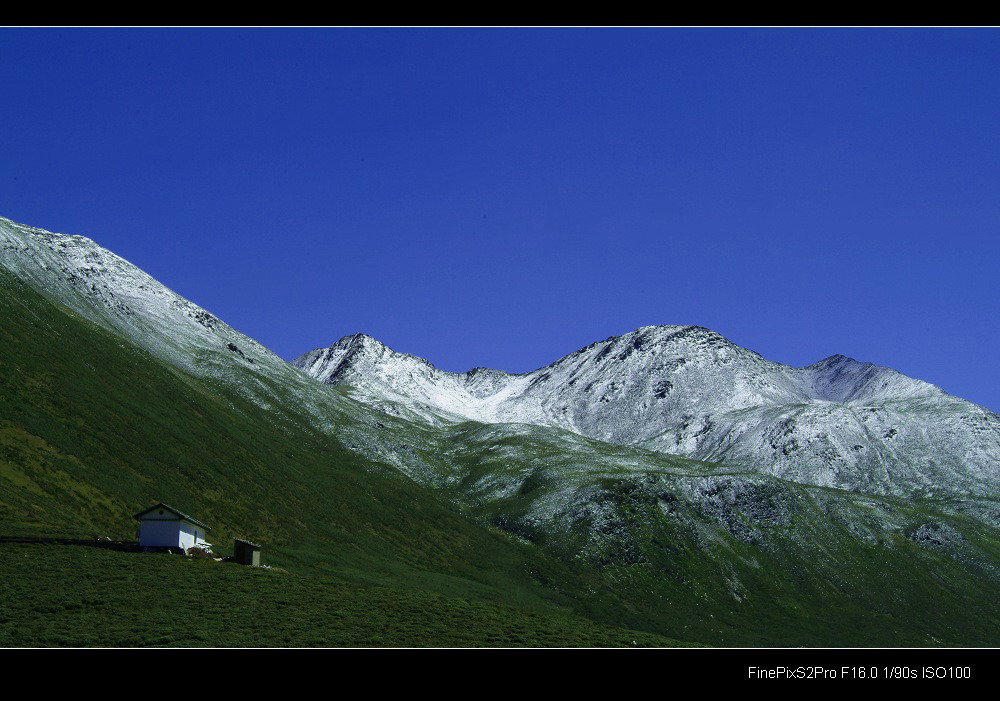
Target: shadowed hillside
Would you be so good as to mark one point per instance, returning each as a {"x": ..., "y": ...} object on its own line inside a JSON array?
[{"x": 95, "y": 426}]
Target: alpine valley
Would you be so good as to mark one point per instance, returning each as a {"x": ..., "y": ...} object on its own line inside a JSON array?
[{"x": 661, "y": 488}]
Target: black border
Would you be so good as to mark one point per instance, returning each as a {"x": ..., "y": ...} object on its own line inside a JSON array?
[
  {"x": 661, "y": 668},
  {"x": 692, "y": 15}
]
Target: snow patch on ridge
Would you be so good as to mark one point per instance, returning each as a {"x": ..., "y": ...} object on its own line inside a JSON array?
[{"x": 687, "y": 390}]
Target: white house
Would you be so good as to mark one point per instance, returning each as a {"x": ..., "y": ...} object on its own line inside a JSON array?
[{"x": 165, "y": 527}]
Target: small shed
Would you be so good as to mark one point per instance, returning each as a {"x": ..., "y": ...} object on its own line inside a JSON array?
[
  {"x": 246, "y": 553},
  {"x": 166, "y": 527}
]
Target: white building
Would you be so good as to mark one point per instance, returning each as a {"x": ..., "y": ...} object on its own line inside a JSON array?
[{"x": 165, "y": 527}]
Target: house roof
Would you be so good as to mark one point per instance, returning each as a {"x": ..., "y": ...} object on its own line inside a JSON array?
[
  {"x": 247, "y": 542},
  {"x": 183, "y": 516}
]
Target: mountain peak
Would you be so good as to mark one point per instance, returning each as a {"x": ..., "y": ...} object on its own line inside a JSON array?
[
  {"x": 678, "y": 389},
  {"x": 840, "y": 378},
  {"x": 362, "y": 338},
  {"x": 837, "y": 359}
]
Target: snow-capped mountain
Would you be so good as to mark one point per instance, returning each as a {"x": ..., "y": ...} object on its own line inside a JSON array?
[
  {"x": 689, "y": 391},
  {"x": 675, "y": 389},
  {"x": 101, "y": 360},
  {"x": 106, "y": 289}
]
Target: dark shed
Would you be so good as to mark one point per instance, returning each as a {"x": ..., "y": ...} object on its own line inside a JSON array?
[{"x": 246, "y": 553}]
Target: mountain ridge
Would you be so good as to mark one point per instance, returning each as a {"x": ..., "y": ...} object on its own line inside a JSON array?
[
  {"x": 836, "y": 358},
  {"x": 115, "y": 396},
  {"x": 683, "y": 390},
  {"x": 688, "y": 390}
]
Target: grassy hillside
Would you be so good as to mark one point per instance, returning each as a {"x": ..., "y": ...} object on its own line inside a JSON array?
[
  {"x": 699, "y": 551},
  {"x": 530, "y": 527},
  {"x": 92, "y": 429},
  {"x": 133, "y": 600}
]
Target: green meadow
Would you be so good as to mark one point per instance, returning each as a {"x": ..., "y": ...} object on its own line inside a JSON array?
[{"x": 533, "y": 538}]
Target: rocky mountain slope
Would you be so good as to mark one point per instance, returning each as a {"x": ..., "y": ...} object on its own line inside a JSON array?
[
  {"x": 115, "y": 394},
  {"x": 687, "y": 390},
  {"x": 104, "y": 288}
]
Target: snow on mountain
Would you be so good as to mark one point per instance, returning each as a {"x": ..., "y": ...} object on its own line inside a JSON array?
[
  {"x": 687, "y": 390},
  {"x": 106, "y": 289},
  {"x": 675, "y": 389}
]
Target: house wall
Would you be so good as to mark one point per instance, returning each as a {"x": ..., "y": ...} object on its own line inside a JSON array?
[
  {"x": 159, "y": 533},
  {"x": 161, "y": 515},
  {"x": 191, "y": 534}
]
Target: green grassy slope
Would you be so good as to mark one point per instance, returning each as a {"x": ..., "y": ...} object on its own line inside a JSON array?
[
  {"x": 703, "y": 552},
  {"x": 92, "y": 428},
  {"x": 134, "y": 600}
]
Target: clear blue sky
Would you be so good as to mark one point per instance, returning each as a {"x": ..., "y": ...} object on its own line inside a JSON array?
[{"x": 503, "y": 197}]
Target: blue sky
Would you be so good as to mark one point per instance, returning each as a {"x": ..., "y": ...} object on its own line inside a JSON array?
[{"x": 502, "y": 197}]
